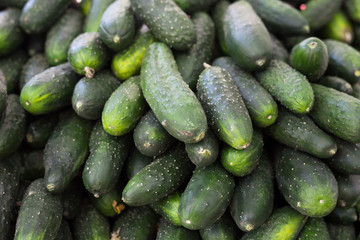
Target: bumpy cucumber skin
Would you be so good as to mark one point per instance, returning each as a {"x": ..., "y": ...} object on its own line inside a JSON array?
[
  {"x": 341, "y": 231},
  {"x": 343, "y": 215},
  {"x": 169, "y": 97},
  {"x": 337, "y": 113},
  {"x": 124, "y": 108},
  {"x": 349, "y": 190},
  {"x": 288, "y": 86},
  {"x": 315, "y": 228},
  {"x": 218, "y": 14},
  {"x": 224, "y": 229},
  {"x": 11, "y": 35},
  {"x": 35, "y": 65},
  {"x": 337, "y": 84},
  {"x": 159, "y": 16},
  {"x": 168, "y": 231},
  {"x": 93, "y": 18},
  {"x": 50, "y": 90},
  {"x": 137, "y": 161},
  {"x": 110, "y": 203},
  {"x": 279, "y": 50},
  {"x": 262, "y": 107},
  {"x": 192, "y": 6},
  {"x": 32, "y": 165},
  {"x": 60, "y": 36},
  {"x": 64, "y": 232},
  {"x": 224, "y": 107},
  {"x": 168, "y": 208},
  {"x": 246, "y": 37},
  {"x": 352, "y": 8},
  {"x": 39, "y": 130},
  {"x": 339, "y": 28}
]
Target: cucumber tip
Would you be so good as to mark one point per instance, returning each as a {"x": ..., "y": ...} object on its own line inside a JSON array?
[{"x": 89, "y": 72}]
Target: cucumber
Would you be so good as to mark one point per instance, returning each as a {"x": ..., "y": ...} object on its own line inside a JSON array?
[
  {"x": 49, "y": 90},
  {"x": 40, "y": 213},
  {"x": 109, "y": 204},
  {"x": 124, "y": 108},
  {"x": 150, "y": 137},
  {"x": 93, "y": 17},
  {"x": 310, "y": 57},
  {"x": 13, "y": 3},
  {"x": 169, "y": 97},
  {"x": 307, "y": 184},
  {"x": 168, "y": 231},
  {"x": 72, "y": 199},
  {"x": 246, "y": 37},
  {"x": 84, "y": 6},
  {"x": 168, "y": 208},
  {"x": 190, "y": 63},
  {"x": 301, "y": 133},
  {"x": 39, "y": 130},
  {"x": 35, "y": 65},
  {"x": 224, "y": 107},
  {"x": 343, "y": 215},
  {"x": 224, "y": 229},
  {"x": 61, "y": 34},
  {"x": 341, "y": 231},
  {"x": 90, "y": 94},
  {"x": 337, "y": 113},
  {"x": 260, "y": 104},
  {"x": 349, "y": 190},
  {"x": 193, "y": 6},
  {"x": 155, "y": 182},
  {"x": 136, "y": 162},
  {"x": 35, "y": 44},
  {"x": 13, "y": 126},
  {"x": 104, "y": 164},
  {"x": 336, "y": 83},
  {"x": 279, "y": 50},
  {"x": 218, "y": 14},
  {"x": 32, "y": 165},
  {"x": 179, "y": 34},
  {"x": 352, "y": 8},
  {"x": 39, "y": 15},
  {"x": 117, "y": 25},
  {"x": 339, "y": 28},
  {"x": 87, "y": 54},
  {"x": 288, "y": 86},
  {"x": 11, "y": 35},
  {"x": 128, "y": 62},
  {"x": 66, "y": 151},
  {"x": 206, "y": 197},
  {"x": 315, "y": 228},
  {"x": 64, "y": 232}
]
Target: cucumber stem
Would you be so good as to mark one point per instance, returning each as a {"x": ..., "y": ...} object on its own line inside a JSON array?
[{"x": 89, "y": 72}]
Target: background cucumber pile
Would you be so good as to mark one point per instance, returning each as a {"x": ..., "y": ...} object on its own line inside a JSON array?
[{"x": 179, "y": 119}]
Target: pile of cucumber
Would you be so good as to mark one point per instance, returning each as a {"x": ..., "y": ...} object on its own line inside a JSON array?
[{"x": 179, "y": 119}]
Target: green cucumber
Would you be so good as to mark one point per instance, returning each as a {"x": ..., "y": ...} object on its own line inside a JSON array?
[
  {"x": 307, "y": 184},
  {"x": 191, "y": 63},
  {"x": 241, "y": 162},
  {"x": 262, "y": 107},
  {"x": 246, "y": 37},
  {"x": 336, "y": 83},
  {"x": 87, "y": 54},
  {"x": 60, "y": 36},
  {"x": 247, "y": 208},
  {"x": 224, "y": 229},
  {"x": 206, "y": 197},
  {"x": 93, "y": 17},
  {"x": 11, "y": 35},
  {"x": 39, "y": 15},
  {"x": 35, "y": 65},
  {"x": 218, "y": 14},
  {"x": 279, "y": 50},
  {"x": 13, "y": 3},
  {"x": 288, "y": 86},
  {"x": 124, "y": 108},
  {"x": 179, "y": 34},
  {"x": 32, "y": 165},
  {"x": 109, "y": 204},
  {"x": 155, "y": 182},
  {"x": 49, "y": 90},
  {"x": 90, "y": 94},
  {"x": 136, "y": 162},
  {"x": 84, "y": 6},
  {"x": 169, "y": 97},
  {"x": 352, "y": 8},
  {"x": 66, "y": 151},
  {"x": 349, "y": 190},
  {"x": 40, "y": 213},
  {"x": 35, "y": 44},
  {"x": 3, "y": 95},
  {"x": 310, "y": 57},
  {"x": 337, "y": 113},
  {"x": 343, "y": 215},
  {"x": 104, "y": 164},
  {"x": 117, "y": 25},
  {"x": 72, "y": 199},
  {"x": 168, "y": 208},
  {"x": 341, "y": 231},
  {"x": 339, "y": 28},
  {"x": 168, "y": 231},
  {"x": 128, "y": 62},
  {"x": 150, "y": 137},
  {"x": 224, "y": 107},
  {"x": 193, "y": 6},
  {"x": 64, "y": 232},
  {"x": 301, "y": 133},
  {"x": 39, "y": 130},
  {"x": 315, "y": 228}
]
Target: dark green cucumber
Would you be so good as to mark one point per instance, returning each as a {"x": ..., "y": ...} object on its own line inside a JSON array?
[
  {"x": 343, "y": 215},
  {"x": 155, "y": 182},
  {"x": 39, "y": 130},
  {"x": 288, "y": 86},
  {"x": 301, "y": 133},
  {"x": 279, "y": 50},
  {"x": 224, "y": 107},
  {"x": 315, "y": 228},
  {"x": 13, "y": 126},
  {"x": 49, "y": 90},
  {"x": 72, "y": 199},
  {"x": 169, "y": 97},
  {"x": 336, "y": 83},
  {"x": 336, "y": 112},
  {"x": 150, "y": 137},
  {"x": 32, "y": 165},
  {"x": 310, "y": 57},
  {"x": 35, "y": 65},
  {"x": 218, "y": 14},
  {"x": 349, "y": 190},
  {"x": 39, "y": 15},
  {"x": 224, "y": 229},
  {"x": 285, "y": 223},
  {"x": 110, "y": 203},
  {"x": 66, "y": 151},
  {"x": 64, "y": 232},
  {"x": 104, "y": 164},
  {"x": 88, "y": 54},
  {"x": 341, "y": 231},
  {"x": 117, "y": 25},
  {"x": 168, "y": 208},
  {"x": 13, "y": 3},
  {"x": 93, "y": 17},
  {"x": 352, "y": 8},
  {"x": 84, "y": 6},
  {"x": 247, "y": 208},
  {"x": 307, "y": 184},
  {"x": 260, "y": 104},
  {"x": 11, "y": 35},
  {"x": 35, "y": 44},
  {"x": 40, "y": 213},
  {"x": 3, "y": 95},
  {"x": 128, "y": 62},
  {"x": 124, "y": 108},
  {"x": 179, "y": 34},
  {"x": 168, "y": 231},
  {"x": 61, "y": 34},
  {"x": 90, "y": 94},
  {"x": 206, "y": 197},
  {"x": 192, "y": 6},
  {"x": 246, "y": 37},
  {"x": 136, "y": 162},
  {"x": 191, "y": 63},
  {"x": 339, "y": 28},
  {"x": 280, "y": 17},
  {"x": 241, "y": 162}
]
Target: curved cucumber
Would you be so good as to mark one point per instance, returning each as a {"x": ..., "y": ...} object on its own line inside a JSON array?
[
  {"x": 168, "y": 207},
  {"x": 339, "y": 28},
  {"x": 39, "y": 130},
  {"x": 11, "y": 35},
  {"x": 337, "y": 84},
  {"x": 93, "y": 17},
  {"x": 315, "y": 228},
  {"x": 168, "y": 231},
  {"x": 136, "y": 162},
  {"x": 110, "y": 203},
  {"x": 35, "y": 65},
  {"x": 218, "y": 14}
]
